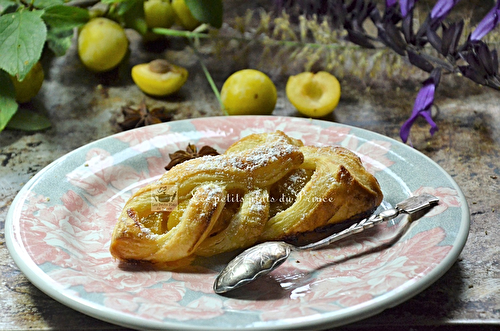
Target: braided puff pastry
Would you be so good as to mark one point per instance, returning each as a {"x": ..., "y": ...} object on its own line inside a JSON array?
[{"x": 264, "y": 187}]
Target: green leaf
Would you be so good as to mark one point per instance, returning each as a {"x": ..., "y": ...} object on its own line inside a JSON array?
[
  {"x": 59, "y": 42},
  {"x": 4, "y": 4},
  {"x": 137, "y": 23},
  {"x": 8, "y": 104},
  {"x": 28, "y": 120},
  {"x": 22, "y": 36},
  {"x": 132, "y": 13},
  {"x": 131, "y": 7},
  {"x": 47, "y": 3},
  {"x": 123, "y": 6},
  {"x": 207, "y": 11},
  {"x": 65, "y": 17},
  {"x": 128, "y": 12},
  {"x": 113, "y": 1}
]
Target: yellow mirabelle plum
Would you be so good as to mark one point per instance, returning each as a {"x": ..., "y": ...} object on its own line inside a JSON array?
[
  {"x": 314, "y": 95},
  {"x": 159, "y": 14},
  {"x": 184, "y": 15},
  {"x": 28, "y": 88},
  {"x": 249, "y": 92},
  {"x": 102, "y": 44},
  {"x": 159, "y": 77}
]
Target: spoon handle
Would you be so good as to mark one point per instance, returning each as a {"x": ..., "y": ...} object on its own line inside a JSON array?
[{"x": 366, "y": 223}]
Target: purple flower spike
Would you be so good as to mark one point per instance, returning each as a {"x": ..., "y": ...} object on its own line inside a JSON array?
[
  {"x": 390, "y": 3},
  {"x": 488, "y": 23},
  {"x": 406, "y": 6},
  {"x": 422, "y": 106},
  {"x": 442, "y": 8}
]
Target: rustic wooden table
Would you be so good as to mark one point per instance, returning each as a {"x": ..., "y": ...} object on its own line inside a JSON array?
[{"x": 84, "y": 107}]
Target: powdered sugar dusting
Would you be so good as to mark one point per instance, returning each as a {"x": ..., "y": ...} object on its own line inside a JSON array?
[
  {"x": 240, "y": 164},
  {"x": 261, "y": 157}
]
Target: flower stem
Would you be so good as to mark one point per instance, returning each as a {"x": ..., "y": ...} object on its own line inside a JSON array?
[
  {"x": 208, "y": 76},
  {"x": 180, "y": 33}
]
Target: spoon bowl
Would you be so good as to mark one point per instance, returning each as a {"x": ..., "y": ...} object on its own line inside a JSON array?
[{"x": 253, "y": 263}]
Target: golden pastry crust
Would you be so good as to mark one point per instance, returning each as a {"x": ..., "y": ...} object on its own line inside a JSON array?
[
  {"x": 208, "y": 179},
  {"x": 264, "y": 187},
  {"x": 339, "y": 189},
  {"x": 133, "y": 240}
]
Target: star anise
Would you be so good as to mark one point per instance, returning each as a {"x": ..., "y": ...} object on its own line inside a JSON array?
[
  {"x": 142, "y": 116},
  {"x": 190, "y": 153}
]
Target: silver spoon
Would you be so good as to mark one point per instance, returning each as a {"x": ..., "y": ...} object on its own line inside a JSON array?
[{"x": 263, "y": 258}]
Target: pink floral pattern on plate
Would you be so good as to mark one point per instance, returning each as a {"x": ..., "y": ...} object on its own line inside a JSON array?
[{"x": 66, "y": 235}]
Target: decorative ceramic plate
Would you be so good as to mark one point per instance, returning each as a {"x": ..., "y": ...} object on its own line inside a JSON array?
[{"x": 59, "y": 227}]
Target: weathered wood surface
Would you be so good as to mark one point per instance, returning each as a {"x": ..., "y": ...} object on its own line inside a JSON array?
[{"x": 84, "y": 107}]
